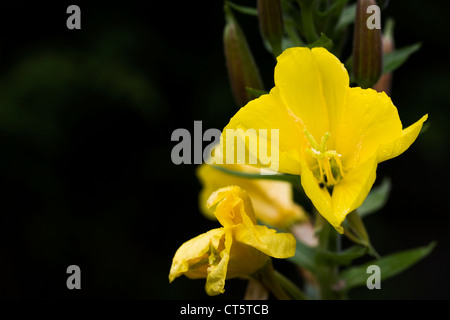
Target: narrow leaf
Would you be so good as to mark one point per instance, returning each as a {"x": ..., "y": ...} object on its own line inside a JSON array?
[
  {"x": 304, "y": 257},
  {"x": 255, "y": 92},
  {"x": 376, "y": 199},
  {"x": 390, "y": 266},
  {"x": 347, "y": 17},
  {"x": 341, "y": 258},
  {"x": 323, "y": 41},
  {"x": 244, "y": 9},
  {"x": 293, "y": 179},
  {"x": 396, "y": 58}
]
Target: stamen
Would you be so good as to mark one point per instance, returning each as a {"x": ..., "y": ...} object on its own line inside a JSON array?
[
  {"x": 328, "y": 172},
  {"x": 311, "y": 140},
  {"x": 339, "y": 163},
  {"x": 324, "y": 159},
  {"x": 325, "y": 138}
]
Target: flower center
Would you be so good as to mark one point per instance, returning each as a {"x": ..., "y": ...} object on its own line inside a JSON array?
[{"x": 328, "y": 170}]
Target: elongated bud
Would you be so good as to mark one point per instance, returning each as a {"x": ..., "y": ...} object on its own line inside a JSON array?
[
  {"x": 367, "y": 48},
  {"x": 385, "y": 82},
  {"x": 270, "y": 17},
  {"x": 242, "y": 69}
]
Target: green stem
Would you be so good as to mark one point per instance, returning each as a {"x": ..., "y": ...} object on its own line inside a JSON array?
[
  {"x": 266, "y": 275},
  {"x": 290, "y": 287},
  {"x": 307, "y": 16},
  {"x": 327, "y": 273},
  {"x": 291, "y": 31},
  {"x": 280, "y": 286}
]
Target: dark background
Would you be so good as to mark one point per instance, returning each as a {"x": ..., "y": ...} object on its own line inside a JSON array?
[{"x": 86, "y": 118}]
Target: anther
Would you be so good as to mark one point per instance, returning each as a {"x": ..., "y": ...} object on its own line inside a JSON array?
[{"x": 324, "y": 159}]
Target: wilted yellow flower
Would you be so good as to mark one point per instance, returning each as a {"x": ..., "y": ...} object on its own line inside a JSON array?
[
  {"x": 238, "y": 249},
  {"x": 329, "y": 133},
  {"x": 272, "y": 200}
]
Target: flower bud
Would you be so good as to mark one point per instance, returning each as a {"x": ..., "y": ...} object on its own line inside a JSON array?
[
  {"x": 242, "y": 69},
  {"x": 271, "y": 23},
  {"x": 384, "y": 83},
  {"x": 367, "y": 48}
]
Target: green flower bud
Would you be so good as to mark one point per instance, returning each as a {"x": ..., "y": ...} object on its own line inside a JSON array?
[
  {"x": 270, "y": 17},
  {"x": 367, "y": 45},
  {"x": 242, "y": 69}
]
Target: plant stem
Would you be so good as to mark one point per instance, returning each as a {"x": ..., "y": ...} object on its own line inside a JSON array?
[
  {"x": 290, "y": 287},
  {"x": 266, "y": 275},
  {"x": 280, "y": 286},
  {"x": 307, "y": 16},
  {"x": 327, "y": 273}
]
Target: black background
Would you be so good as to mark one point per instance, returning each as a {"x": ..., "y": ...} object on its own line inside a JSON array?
[{"x": 86, "y": 118}]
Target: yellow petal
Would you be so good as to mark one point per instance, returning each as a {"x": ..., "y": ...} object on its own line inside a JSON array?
[
  {"x": 312, "y": 84},
  {"x": 273, "y": 203},
  {"x": 346, "y": 196},
  {"x": 277, "y": 245},
  {"x": 272, "y": 200},
  {"x": 398, "y": 146},
  {"x": 266, "y": 113},
  {"x": 233, "y": 206},
  {"x": 244, "y": 259},
  {"x": 320, "y": 197},
  {"x": 215, "y": 281},
  {"x": 351, "y": 191},
  {"x": 190, "y": 256},
  {"x": 369, "y": 120}
]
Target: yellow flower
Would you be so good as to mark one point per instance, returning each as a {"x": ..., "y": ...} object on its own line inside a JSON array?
[
  {"x": 272, "y": 200},
  {"x": 329, "y": 133},
  {"x": 238, "y": 249}
]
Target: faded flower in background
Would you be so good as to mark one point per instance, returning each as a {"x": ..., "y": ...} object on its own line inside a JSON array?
[
  {"x": 240, "y": 248},
  {"x": 272, "y": 200}
]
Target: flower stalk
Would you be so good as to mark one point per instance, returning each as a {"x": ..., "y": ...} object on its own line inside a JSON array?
[
  {"x": 307, "y": 8},
  {"x": 280, "y": 286}
]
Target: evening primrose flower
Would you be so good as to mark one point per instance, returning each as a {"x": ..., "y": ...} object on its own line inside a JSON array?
[
  {"x": 272, "y": 200},
  {"x": 329, "y": 133},
  {"x": 238, "y": 249}
]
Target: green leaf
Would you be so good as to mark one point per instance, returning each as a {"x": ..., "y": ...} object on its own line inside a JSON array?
[
  {"x": 243, "y": 9},
  {"x": 425, "y": 127},
  {"x": 323, "y": 41},
  {"x": 293, "y": 39},
  {"x": 396, "y": 58},
  {"x": 355, "y": 230},
  {"x": 376, "y": 199},
  {"x": 335, "y": 7},
  {"x": 310, "y": 258},
  {"x": 304, "y": 257},
  {"x": 390, "y": 266},
  {"x": 347, "y": 18},
  {"x": 343, "y": 258},
  {"x": 293, "y": 179},
  {"x": 255, "y": 92}
]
